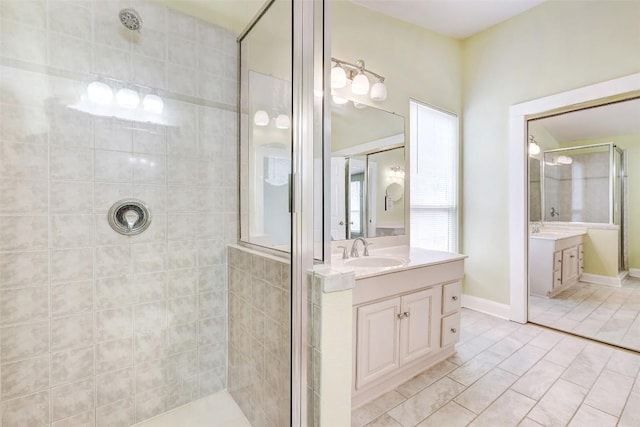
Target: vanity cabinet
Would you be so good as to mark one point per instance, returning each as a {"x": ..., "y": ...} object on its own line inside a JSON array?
[
  {"x": 554, "y": 264},
  {"x": 391, "y": 333},
  {"x": 404, "y": 322}
]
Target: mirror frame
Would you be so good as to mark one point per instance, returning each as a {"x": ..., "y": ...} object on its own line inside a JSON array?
[{"x": 589, "y": 96}]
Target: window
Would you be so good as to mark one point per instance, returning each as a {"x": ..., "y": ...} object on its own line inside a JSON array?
[{"x": 434, "y": 178}]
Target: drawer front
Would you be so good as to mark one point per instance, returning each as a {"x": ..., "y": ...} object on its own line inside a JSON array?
[
  {"x": 557, "y": 260},
  {"x": 450, "y": 329},
  {"x": 451, "y": 296}
]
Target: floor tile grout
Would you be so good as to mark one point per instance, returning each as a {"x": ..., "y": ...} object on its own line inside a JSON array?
[{"x": 520, "y": 337}]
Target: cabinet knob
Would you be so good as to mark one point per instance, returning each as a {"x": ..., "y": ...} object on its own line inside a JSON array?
[
  {"x": 559, "y": 280},
  {"x": 455, "y": 297},
  {"x": 572, "y": 256},
  {"x": 454, "y": 330},
  {"x": 401, "y": 315},
  {"x": 407, "y": 314}
]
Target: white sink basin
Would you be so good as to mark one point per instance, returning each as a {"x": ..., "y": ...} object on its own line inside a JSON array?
[{"x": 375, "y": 261}]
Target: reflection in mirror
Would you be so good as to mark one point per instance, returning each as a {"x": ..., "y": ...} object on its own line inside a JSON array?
[
  {"x": 265, "y": 134},
  {"x": 367, "y": 157},
  {"x": 584, "y": 270},
  {"x": 535, "y": 190}
]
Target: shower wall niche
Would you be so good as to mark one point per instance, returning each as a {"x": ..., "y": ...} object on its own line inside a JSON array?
[{"x": 97, "y": 328}]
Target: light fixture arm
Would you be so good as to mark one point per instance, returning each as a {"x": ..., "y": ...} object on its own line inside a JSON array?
[{"x": 353, "y": 69}]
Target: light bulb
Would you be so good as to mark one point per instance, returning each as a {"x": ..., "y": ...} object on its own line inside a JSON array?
[
  {"x": 153, "y": 103},
  {"x": 339, "y": 100},
  {"x": 261, "y": 118},
  {"x": 338, "y": 77},
  {"x": 100, "y": 93},
  {"x": 283, "y": 122},
  {"x": 127, "y": 98},
  {"x": 360, "y": 85},
  {"x": 378, "y": 92},
  {"x": 534, "y": 148}
]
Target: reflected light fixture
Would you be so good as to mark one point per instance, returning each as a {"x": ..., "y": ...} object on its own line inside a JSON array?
[
  {"x": 153, "y": 103},
  {"x": 261, "y": 118},
  {"x": 127, "y": 98},
  {"x": 357, "y": 74},
  {"x": 564, "y": 160},
  {"x": 283, "y": 122},
  {"x": 534, "y": 148},
  {"x": 99, "y": 93},
  {"x": 339, "y": 100}
]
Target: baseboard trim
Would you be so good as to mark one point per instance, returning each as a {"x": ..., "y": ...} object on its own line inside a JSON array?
[
  {"x": 634, "y": 272},
  {"x": 604, "y": 280},
  {"x": 486, "y": 306}
]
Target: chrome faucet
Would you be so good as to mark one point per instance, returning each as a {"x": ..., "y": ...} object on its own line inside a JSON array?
[
  {"x": 554, "y": 212},
  {"x": 345, "y": 254},
  {"x": 354, "y": 248}
]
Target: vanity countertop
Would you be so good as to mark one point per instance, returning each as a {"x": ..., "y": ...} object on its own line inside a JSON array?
[
  {"x": 410, "y": 258},
  {"x": 558, "y": 233}
]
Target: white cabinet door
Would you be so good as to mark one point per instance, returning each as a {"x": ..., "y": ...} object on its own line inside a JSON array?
[
  {"x": 416, "y": 338},
  {"x": 570, "y": 265},
  {"x": 377, "y": 340}
]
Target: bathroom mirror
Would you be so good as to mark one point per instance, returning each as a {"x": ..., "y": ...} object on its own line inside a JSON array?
[
  {"x": 535, "y": 190},
  {"x": 589, "y": 161},
  {"x": 367, "y": 158}
]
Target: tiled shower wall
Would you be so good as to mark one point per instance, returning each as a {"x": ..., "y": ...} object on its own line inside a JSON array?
[
  {"x": 580, "y": 191},
  {"x": 260, "y": 336},
  {"x": 97, "y": 328}
]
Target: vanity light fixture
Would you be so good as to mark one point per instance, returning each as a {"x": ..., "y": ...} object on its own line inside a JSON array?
[
  {"x": 360, "y": 84},
  {"x": 338, "y": 77},
  {"x": 534, "y": 148}
]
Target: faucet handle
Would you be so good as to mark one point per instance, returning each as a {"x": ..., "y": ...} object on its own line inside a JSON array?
[
  {"x": 345, "y": 254},
  {"x": 366, "y": 249}
]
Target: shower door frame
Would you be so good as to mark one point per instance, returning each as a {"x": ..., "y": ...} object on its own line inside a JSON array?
[
  {"x": 612, "y": 175},
  {"x": 308, "y": 70}
]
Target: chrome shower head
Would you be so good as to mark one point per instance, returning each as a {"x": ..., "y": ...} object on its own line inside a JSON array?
[{"x": 130, "y": 19}]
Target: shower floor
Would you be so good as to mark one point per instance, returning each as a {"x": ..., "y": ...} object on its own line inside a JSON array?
[{"x": 217, "y": 410}]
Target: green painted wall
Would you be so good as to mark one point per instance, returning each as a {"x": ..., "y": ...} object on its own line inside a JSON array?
[{"x": 554, "y": 47}]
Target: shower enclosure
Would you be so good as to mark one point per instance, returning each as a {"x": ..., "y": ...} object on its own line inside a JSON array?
[
  {"x": 585, "y": 184},
  {"x": 119, "y": 196}
]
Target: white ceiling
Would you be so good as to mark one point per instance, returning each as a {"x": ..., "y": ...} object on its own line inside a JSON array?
[
  {"x": 621, "y": 118},
  {"x": 454, "y": 18}
]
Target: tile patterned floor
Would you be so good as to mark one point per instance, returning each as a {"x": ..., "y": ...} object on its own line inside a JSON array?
[
  {"x": 604, "y": 313},
  {"x": 506, "y": 374}
]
